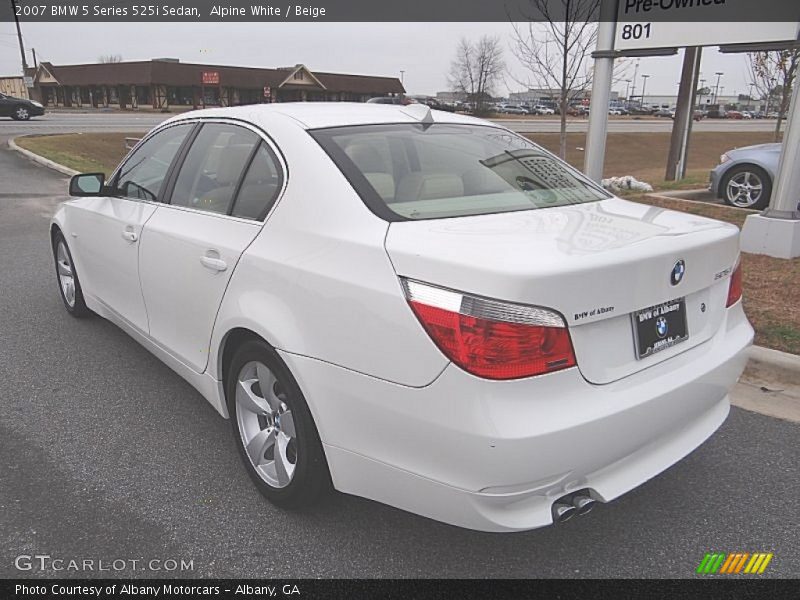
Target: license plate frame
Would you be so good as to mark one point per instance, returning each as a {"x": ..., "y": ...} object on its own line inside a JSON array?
[{"x": 651, "y": 336}]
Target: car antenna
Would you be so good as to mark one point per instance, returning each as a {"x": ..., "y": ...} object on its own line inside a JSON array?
[{"x": 420, "y": 112}]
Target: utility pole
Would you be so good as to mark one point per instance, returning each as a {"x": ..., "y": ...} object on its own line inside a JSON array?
[
  {"x": 35, "y": 63},
  {"x": 716, "y": 88},
  {"x": 19, "y": 37},
  {"x": 644, "y": 87}
]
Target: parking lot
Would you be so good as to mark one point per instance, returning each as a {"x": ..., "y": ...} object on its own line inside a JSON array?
[{"x": 108, "y": 454}]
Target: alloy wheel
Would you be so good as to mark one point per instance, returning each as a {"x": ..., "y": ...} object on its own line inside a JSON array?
[
  {"x": 22, "y": 113},
  {"x": 66, "y": 274},
  {"x": 744, "y": 189},
  {"x": 266, "y": 424}
]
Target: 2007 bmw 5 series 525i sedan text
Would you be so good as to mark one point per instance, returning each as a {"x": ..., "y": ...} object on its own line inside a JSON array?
[{"x": 413, "y": 306}]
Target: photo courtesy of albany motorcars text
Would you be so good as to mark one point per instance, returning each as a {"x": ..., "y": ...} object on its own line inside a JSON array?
[{"x": 413, "y": 306}]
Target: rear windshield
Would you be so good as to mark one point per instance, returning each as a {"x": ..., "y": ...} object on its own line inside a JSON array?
[{"x": 415, "y": 171}]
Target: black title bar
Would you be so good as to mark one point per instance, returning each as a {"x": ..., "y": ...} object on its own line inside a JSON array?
[
  {"x": 142, "y": 11},
  {"x": 709, "y": 588}
]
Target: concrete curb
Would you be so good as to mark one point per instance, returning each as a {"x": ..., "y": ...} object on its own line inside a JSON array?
[
  {"x": 45, "y": 162},
  {"x": 677, "y": 195},
  {"x": 769, "y": 365}
]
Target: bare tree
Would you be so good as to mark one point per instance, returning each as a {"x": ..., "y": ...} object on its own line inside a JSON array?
[
  {"x": 110, "y": 58},
  {"x": 773, "y": 74},
  {"x": 556, "y": 50},
  {"x": 476, "y": 69}
]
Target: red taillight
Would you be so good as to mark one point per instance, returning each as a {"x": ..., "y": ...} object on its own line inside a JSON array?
[
  {"x": 492, "y": 339},
  {"x": 735, "y": 286}
]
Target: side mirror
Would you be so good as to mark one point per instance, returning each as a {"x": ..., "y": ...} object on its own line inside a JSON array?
[{"x": 87, "y": 184}]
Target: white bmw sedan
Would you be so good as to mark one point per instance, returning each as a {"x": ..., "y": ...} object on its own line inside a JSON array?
[{"x": 413, "y": 306}]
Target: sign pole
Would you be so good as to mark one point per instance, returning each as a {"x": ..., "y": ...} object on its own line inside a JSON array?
[
  {"x": 601, "y": 91},
  {"x": 684, "y": 113},
  {"x": 776, "y": 231}
]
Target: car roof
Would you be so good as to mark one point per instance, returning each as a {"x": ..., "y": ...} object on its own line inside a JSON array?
[{"x": 316, "y": 115}]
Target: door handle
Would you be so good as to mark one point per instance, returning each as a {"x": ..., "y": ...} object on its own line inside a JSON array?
[
  {"x": 129, "y": 235},
  {"x": 215, "y": 264}
]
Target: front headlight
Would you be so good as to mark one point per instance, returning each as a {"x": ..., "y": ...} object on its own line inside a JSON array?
[
  {"x": 37, "y": 104},
  {"x": 723, "y": 158}
]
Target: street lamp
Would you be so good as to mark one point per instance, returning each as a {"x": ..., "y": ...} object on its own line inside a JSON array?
[
  {"x": 716, "y": 88},
  {"x": 627, "y": 89},
  {"x": 644, "y": 87},
  {"x": 702, "y": 87}
]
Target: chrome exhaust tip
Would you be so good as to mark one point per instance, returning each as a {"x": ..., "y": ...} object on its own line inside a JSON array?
[
  {"x": 563, "y": 512},
  {"x": 583, "y": 504}
]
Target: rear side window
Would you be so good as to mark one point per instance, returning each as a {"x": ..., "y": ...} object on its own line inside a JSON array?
[
  {"x": 143, "y": 173},
  {"x": 415, "y": 171},
  {"x": 259, "y": 187},
  {"x": 210, "y": 174}
]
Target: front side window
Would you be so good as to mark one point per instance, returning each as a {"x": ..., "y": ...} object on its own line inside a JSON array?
[
  {"x": 210, "y": 174},
  {"x": 410, "y": 171},
  {"x": 142, "y": 175}
]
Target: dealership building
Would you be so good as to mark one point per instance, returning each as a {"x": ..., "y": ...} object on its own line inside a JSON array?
[{"x": 167, "y": 82}]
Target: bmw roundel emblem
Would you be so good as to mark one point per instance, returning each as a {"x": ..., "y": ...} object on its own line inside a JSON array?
[
  {"x": 677, "y": 272},
  {"x": 661, "y": 327}
]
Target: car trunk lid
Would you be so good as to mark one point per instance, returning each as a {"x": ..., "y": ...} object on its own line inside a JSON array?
[{"x": 597, "y": 264}]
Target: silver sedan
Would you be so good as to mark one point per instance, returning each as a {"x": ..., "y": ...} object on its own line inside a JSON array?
[{"x": 744, "y": 176}]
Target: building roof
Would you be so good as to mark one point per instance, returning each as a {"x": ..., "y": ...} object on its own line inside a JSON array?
[{"x": 187, "y": 74}]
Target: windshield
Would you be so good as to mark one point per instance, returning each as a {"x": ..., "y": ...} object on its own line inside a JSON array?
[{"x": 416, "y": 171}]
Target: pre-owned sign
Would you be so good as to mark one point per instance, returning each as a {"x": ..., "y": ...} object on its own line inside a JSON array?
[{"x": 647, "y": 25}]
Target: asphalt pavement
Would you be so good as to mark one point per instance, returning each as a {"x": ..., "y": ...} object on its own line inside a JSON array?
[{"x": 106, "y": 454}]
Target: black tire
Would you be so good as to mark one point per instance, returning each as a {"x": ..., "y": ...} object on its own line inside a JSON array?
[
  {"x": 766, "y": 186},
  {"x": 21, "y": 113},
  {"x": 311, "y": 477},
  {"x": 77, "y": 308}
]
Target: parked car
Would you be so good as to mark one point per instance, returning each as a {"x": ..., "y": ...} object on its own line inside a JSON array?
[
  {"x": 446, "y": 318},
  {"x": 614, "y": 111},
  {"x": 19, "y": 109},
  {"x": 744, "y": 176},
  {"x": 404, "y": 100},
  {"x": 734, "y": 114},
  {"x": 641, "y": 110},
  {"x": 668, "y": 113},
  {"x": 716, "y": 113},
  {"x": 697, "y": 115},
  {"x": 577, "y": 110},
  {"x": 746, "y": 114},
  {"x": 540, "y": 109},
  {"x": 513, "y": 109},
  {"x": 434, "y": 103}
]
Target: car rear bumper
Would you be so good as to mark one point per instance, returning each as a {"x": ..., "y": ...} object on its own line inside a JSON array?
[{"x": 494, "y": 456}]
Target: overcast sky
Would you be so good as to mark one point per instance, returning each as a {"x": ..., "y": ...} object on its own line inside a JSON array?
[{"x": 422, "y": 50}]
